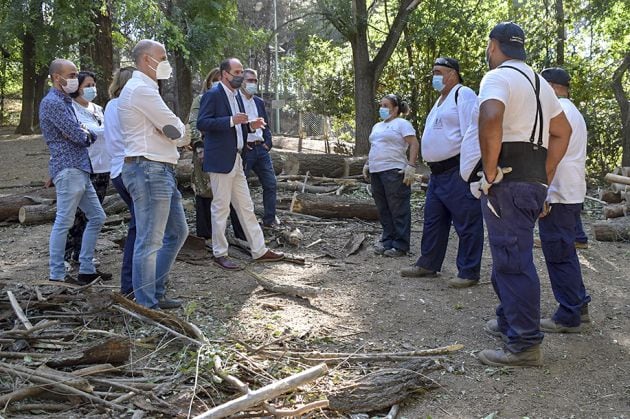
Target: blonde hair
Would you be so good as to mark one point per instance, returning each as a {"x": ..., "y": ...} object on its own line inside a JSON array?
[
  {"x": 215, "y": 73},
  {"x": 121, "y": 77}
]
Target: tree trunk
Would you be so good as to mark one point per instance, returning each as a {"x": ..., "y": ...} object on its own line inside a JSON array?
[
  {"x": 560, "y": 33},
  {"x": 39, "y": 93},
  {"x": 624, "y": 106},
  {"x": 183, "y": 86},
  {"x": 103, "y": 57},
  {"x": 335, "y": 207},
  {"x": 612, "y": 230},
  {"x": 28, "y": 84}
]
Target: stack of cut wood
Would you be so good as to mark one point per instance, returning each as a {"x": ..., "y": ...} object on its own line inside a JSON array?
[{"x": 617, "y": 208}]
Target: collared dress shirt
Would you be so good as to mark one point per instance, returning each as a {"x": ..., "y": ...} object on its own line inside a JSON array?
[
  {"x": 235, "y": 109},
  {"x": 63, "y": 134},
  {"x": 252, "y": 113}
]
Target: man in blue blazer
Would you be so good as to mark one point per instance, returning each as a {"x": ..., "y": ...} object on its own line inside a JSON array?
[{"x": 225, "y": 126}]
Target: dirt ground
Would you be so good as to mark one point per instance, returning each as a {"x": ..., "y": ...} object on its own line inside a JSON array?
[{"x": 372, "y": 308}]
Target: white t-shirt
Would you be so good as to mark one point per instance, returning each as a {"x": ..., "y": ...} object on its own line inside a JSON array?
[
  {"x": 113, "y": 138},
  {"x": 470, "y": 153},
  {"x": 446, "y": 124},
  {"x": 143, "y": 114},
  {"x": 569, "y": 183},
  {"x": 517, "y": 94},
  {"x": 388, "y": 148},
  {"x": 92, "y": 117}
]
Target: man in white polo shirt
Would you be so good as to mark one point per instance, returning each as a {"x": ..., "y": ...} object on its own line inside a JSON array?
[
  {"x": 448, "y": 199},
  {"x": 152, "y": 133},
  {"x": 558, "y": 227},
  {"x": 523, "y": 135}
]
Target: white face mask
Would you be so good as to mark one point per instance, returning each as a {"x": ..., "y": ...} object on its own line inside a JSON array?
[
  {"x": 72, "y": 85},
  {"x": 163, "y": 70}
]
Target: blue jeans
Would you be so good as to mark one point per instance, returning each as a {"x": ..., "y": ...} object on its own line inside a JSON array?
[
  {"x": 74, "y": 190},
  {"x": 392, "y": 198},
  {"x": 449, "y": 201},
  {"x": 161, "y": 228},
  {"x": 558, "y": 236},
  {"x": 514, "y": 277},
  {"x": 258, "y": 160},
  {"x": 126, "y": 284}
]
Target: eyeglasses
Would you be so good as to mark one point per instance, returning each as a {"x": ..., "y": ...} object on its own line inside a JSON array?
[{"x": 444, "y": 62}]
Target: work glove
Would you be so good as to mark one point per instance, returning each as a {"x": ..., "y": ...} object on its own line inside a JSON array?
[
  {"x": 546, "y": 209},
  {"x": 485, "y": 186},
  {"x": 366, "y": 171},
  {"x": 409, "y": 174}
]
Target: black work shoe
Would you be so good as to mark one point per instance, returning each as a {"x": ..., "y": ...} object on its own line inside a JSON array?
[
  {"x": 417, "y": 272},
  {"x": 105, "y": 276},
  {"x": 462, "y": 282},
  {"x": 169, "y": 303},
  {"x": 67, "y": 278},
  {"x": 584, "y": 316},
  {"x": 84, "y": 279},
  {"x": 550, "y": 326},
  {"x": 530, "y": 357}
]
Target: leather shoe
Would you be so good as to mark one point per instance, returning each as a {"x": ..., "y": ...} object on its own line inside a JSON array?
[
  {"x": 169, "y": 303},
  {"x": 550, "y": 326},
  {"x": 226, "y": 263},
  {"x": 530, "y": 357},
  {"x": 461, "y": 282},
  {"x": 492, "y": 327},
  {"x": 85, "y": 279},
  {"x": 270, "y": 256},
  {"x": 417, "y": 272}
]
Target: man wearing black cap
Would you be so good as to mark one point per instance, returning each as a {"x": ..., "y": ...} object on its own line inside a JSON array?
[
  {"x": 448, "y": 198},
  {"x": 523, "y": 135},
  {"x": 558, "y": 227}
]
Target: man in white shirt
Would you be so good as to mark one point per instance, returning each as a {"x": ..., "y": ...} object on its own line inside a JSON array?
[
  {"x": 151, "y": 134},
  {"x": 558, "y": 227},
  {"x": 225, "y": 126},
  {"x": 523, "y": 134},
  {"x": 448, "y": 198}
]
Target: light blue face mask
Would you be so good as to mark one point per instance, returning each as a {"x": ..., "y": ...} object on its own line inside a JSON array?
[
  {"x": 251, "y": 88},
  {"x": 383, "y": 113},
  {"x": 89, "y": 93},
  {"x": 438, "y": 83}
]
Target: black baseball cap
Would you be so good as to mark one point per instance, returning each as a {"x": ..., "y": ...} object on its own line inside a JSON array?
[
  {"x": 556, "y": 75},
  {"x": 511, "y": 39},
  {"x": 450, "y": 63}
]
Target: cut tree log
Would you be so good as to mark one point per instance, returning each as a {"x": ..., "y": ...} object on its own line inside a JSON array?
[
  {"x": 267, "y": 392},
  {"x": 611, "y": 197},
  {"x": 293, "y": 186},
  {"x": 10, "y": 205},
  {"x": 45, "y": 213},
  {"x": 114, "y": 351},
  {"x": 318, "y": 164},
  {"x": 613, "y": 178},
  {"x": 335, "y": 207},
  {"x": 616, "y": 210},
  {"x": 612, "y": 230},
  {"x": 384, "y": 388}
]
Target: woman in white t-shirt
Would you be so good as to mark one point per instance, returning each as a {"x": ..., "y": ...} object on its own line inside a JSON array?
[
  {"x": 89, "y": 115},
  {"x": 392, "y": 173}
]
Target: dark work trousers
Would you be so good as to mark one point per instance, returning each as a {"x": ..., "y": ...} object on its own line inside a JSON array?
[
  {"x": 392, "y": 198},
  {"x": 449, "y": 200},
  {"x": 514, "y": 277},
  {"x": 203, "y": 219},
  {"x": 126, "y": 286},
  {"x": 75, "y": 234},
  {"x": 257, "y": 159},
  {"x": 580, "y": 235},
  {"x": 557, "y": 236}
]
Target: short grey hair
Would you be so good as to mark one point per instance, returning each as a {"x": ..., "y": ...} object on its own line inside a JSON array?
[
  {"x": 250, "y": 71},
  {"x": 141, "y": 48}
]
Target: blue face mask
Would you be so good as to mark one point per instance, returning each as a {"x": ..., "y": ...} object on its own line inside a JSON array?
[
  {"x": 251, "y": 88},
  {"x": 89, "y": 93},
  {"x": 438, "y": 83},
  {"x": 383, "y": 113}
]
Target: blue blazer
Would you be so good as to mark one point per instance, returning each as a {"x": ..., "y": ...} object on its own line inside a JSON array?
[{"x": 219, "y": 142}]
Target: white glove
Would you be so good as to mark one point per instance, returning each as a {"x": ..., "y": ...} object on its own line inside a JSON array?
[
  {"x": 409, "y": 173},
  {"x": 485, "y": 186},
  {"x": 366, "y": 171},
  {"x": 475, "y": 189}
]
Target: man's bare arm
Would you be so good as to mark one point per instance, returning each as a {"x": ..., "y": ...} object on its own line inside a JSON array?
[
  {"x": 559, "y": 134},
  {"x": 490, "y": 135}
]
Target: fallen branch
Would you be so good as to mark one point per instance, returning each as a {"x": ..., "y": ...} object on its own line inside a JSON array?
[
  {"x": 319, "y": 404},
  {"x": 303, "y": 291},
  {"x": 18, "y": 311},
  {"x": 267, "y": 392}
]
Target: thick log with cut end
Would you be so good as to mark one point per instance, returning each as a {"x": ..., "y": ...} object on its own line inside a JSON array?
[
  {"x": 612, "y": 230},
  {"x": 45, "y": 213},
  {"x": 335, "y": 207},
  {"x": 616, "y": 210},
  {"x": 10, "y": 205},
  {"x": 612, "y": 197},
  {"x": 114, "y": 351},
  {"x": 317, "y": 164}
]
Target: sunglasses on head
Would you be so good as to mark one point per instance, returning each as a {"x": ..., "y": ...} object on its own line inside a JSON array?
[{"x": 444, "y": 62}]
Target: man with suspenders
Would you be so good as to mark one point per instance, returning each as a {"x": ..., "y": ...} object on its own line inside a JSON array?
[
  {"x": 448, "y": 198},
  {"x": 523, "y": 135}
]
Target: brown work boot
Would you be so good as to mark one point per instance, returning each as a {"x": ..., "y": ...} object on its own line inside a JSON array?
[
  {"x": 461, "y": 282},
  {"x": 584, "y": 316},
  {"x": 530, "y": 357},
  {"x": 550, "y": 326},
  {"x": 417, "y": 272},
  {"x": 492, "y": 327}
]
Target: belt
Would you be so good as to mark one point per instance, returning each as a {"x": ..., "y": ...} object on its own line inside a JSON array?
[
  {"x": 138, "y": 159},
  {"x": 257, "y": 142},
  {"x": 438, "y": 167}
]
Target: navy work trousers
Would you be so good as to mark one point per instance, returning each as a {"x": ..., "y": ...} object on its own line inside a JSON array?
[
  {"x": 557, "y": 236},
  {"x": 392, "y": 198},
  {"x": 514, "y": 278},
  {"x": 449, "y": 201}
]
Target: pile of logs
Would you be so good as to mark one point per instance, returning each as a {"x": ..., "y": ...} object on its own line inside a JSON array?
[
  {"x": 616, "y": 208},
  {"x": 75, "y": 350}
]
